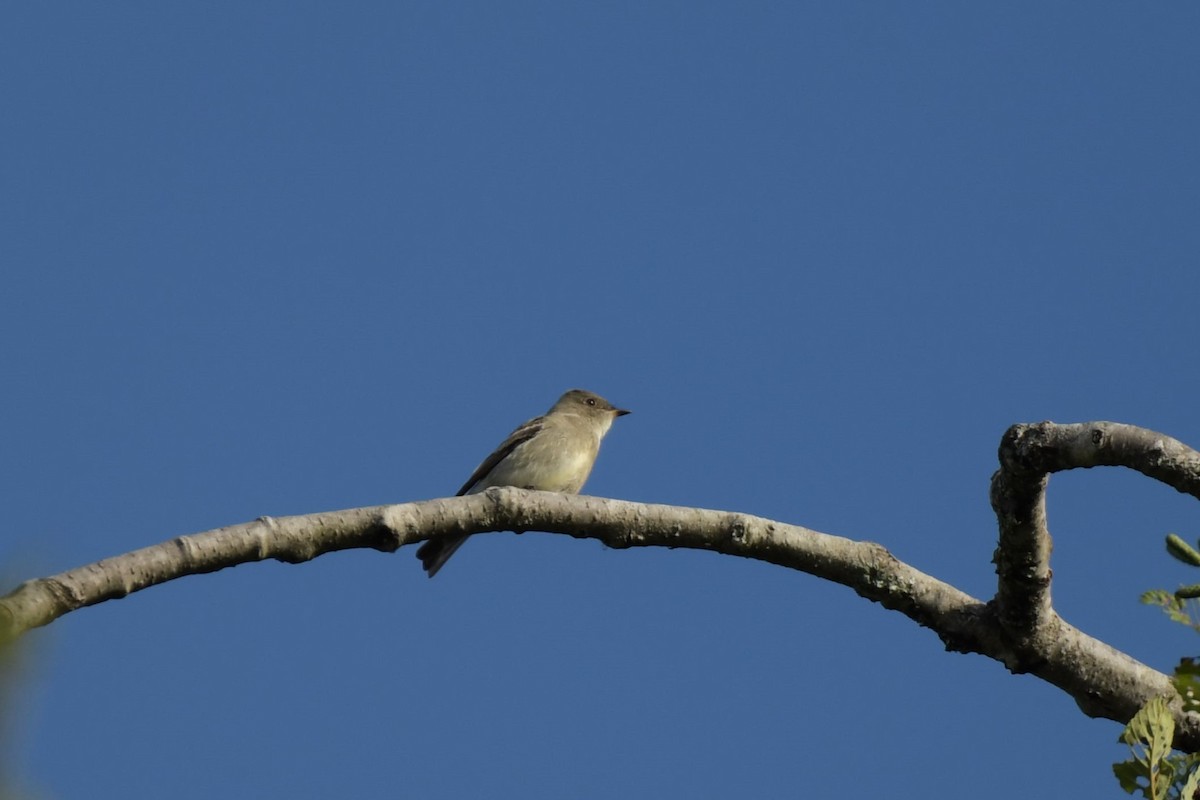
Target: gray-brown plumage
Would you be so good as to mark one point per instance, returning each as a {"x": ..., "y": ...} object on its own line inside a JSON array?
[{"x": 554, "y": 453}]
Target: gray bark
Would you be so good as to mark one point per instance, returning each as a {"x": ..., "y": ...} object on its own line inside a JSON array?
[{"x": 1018, "y": 626}]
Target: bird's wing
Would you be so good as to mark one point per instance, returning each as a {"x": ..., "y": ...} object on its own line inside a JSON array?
[{"x": 517, "y": 437}]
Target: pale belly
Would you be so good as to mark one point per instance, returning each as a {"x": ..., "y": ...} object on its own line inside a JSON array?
[{"x": 548, "y": 469}]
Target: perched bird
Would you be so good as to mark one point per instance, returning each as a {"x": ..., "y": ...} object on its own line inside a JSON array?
[{"x": 553, "y": 453}]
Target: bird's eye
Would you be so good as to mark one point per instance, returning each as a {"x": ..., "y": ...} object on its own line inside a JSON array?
[{"x": 591, "y": 401}]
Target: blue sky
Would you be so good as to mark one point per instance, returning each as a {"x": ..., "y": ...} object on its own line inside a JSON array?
[{"x": 279, "y": 258}]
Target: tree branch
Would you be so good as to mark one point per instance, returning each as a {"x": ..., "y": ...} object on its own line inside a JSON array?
[
  {"x": 1018, "y": 627},
  {"x": 1028, "y": 455}
]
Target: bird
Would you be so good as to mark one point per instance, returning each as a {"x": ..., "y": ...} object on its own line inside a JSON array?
[{"x": 553, "y": 453}]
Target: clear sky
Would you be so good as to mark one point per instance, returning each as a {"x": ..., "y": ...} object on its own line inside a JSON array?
[{"x": 279, "y": 258}]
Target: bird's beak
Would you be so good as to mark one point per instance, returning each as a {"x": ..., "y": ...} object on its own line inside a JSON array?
[{"x": 620, "y": 412}]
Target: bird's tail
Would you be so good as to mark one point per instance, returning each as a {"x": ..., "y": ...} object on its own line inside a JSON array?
[{"x": 436, "y": 552}]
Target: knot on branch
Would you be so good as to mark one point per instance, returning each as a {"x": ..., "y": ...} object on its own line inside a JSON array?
[{"x": 1028, "y": 448}]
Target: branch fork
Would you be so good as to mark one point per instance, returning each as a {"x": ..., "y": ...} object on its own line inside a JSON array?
[{"x": 1018, "y": 626}]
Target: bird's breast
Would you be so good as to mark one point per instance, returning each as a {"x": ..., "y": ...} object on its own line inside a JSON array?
[{"x": 551, "y": 466}]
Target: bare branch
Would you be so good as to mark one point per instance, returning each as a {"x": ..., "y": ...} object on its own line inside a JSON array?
[
  {"x": 1035, "y": 633},
  {"x": 1028, "y": 454},
  {"x": 290, "y": 539},
  {"x": 1022, "y": 557},
  {"x": 1019, "y": 627},
  {"x": 1049, "y": 447}
]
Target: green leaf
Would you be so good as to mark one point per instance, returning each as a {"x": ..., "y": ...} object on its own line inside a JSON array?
[
  {"x": 1183, "y": 551},
  {"x": 1155, "y": 597},
  {"x": 1192, "y": 784},
  {"x": 1149, "y": 735},
  {"x": 1127, "y": 773},
  {"x": 1187, "y": 682},
  {"x": 1178, "y": 609}
]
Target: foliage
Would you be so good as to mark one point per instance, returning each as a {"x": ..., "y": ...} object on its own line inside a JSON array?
[
  {"x": 1184, "y": 610},
  {"x": 1155, "y": 769},
  {"x": 1182, "y": 605},
  {"x": 1187, "y": 683}
]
